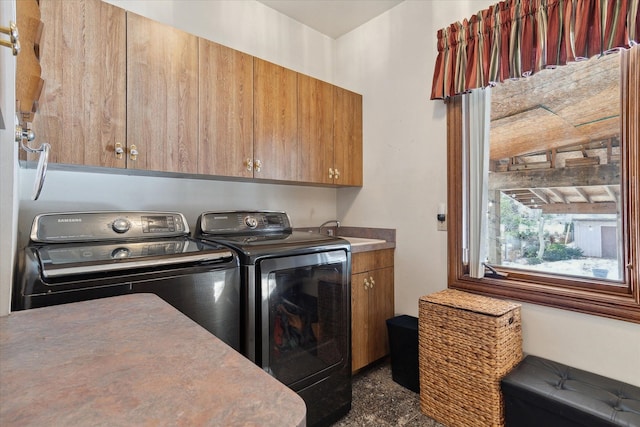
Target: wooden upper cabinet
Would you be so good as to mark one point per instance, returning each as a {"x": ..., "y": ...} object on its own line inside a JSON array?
[
  {"x": 275, "y": 143},
  {"x": 348, "y": 137},
  {"x": 226, "y": 111},
  {"x": 82, "y": 108},
  {"x": 162, "y": 96},
  {"x": 315, "y": 130},
  {"x": 172, "y": 102},
  {"x": 28, "y": 80}
]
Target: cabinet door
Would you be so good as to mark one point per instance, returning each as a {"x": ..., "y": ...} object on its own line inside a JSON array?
[
  {"x": 275, "y": 144},
  {"x": 359, "y": 321},
  {"x": 82, "y": 108},
  {"x": 372, "y": 303},
  {"x": 162, "y": 96},
  {"x": 226, "y": 111},
  {"x": 348, "y": 137},
  {"x": 380, "y": 309},
  {"x": 315, "y": 130}
]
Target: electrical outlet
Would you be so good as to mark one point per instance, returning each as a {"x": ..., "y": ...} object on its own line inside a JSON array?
[{"x": 442, "y": 225}]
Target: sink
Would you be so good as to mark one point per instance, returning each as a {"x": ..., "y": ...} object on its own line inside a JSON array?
[{"x": 361, "y": 241}]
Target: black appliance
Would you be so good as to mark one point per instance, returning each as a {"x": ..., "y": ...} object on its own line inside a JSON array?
[
  {"x": 78, "y": 256},
  {"x": 297, "y": 304}
]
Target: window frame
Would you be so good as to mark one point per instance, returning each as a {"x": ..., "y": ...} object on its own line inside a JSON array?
[{"x": 585, "y": 295}]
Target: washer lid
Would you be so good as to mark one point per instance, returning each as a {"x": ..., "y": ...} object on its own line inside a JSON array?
[
  {"x": 58, "y": 260},
  {"x": 253, "y": 247}
]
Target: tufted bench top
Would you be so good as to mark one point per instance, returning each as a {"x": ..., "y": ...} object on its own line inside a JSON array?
[{"x": 549, "y": 393}]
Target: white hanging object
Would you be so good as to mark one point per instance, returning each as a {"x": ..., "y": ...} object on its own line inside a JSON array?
[{"x": 23, "y": 135}]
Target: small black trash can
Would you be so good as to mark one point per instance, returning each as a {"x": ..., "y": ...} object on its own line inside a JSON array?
[{"x": 403, "y": 343}]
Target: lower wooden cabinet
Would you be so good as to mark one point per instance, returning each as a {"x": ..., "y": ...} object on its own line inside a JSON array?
[{"x": 371, "y": 305}]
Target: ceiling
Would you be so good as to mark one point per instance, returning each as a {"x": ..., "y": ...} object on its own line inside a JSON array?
[
  {"x": 575, "y": 104},
  {"x": 333, "y": 18},
  {"x": 555, "y": 138}
]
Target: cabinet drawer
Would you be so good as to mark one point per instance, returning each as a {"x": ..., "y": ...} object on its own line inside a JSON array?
[{"x": 365, "y": 261}]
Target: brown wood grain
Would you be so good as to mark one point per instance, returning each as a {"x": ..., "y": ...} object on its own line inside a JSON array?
[
  {"x": 579, "y": 102},
  {"x": 81, "y": 110},
  {"x": 381, "y": 309},
  {"x": 359, "y": 322},
  {"x": 226, "y": 110},
  {"x": 631, "y": 168},
  {"x": 371, "y": 306},
  {"x": 365, "y": 261},
  {"x": 188, "y": 105},
  {"x": 315, "y": 130},
  {"x": 28, "y": 70},
  {"x": 275, "y": 142},
  {"x": 348, "y": 137},
  {"x": 162, "y": 96}
]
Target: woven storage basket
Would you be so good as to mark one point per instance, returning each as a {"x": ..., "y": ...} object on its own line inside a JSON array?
[{"x": 467, "y": 343}]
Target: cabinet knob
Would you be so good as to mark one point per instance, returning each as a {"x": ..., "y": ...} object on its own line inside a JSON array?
[
  {"x": 13, "y": 43},
  {"x": 11, "y": 31},
  {"x": 133, "y": 153},
  {"x": 249, "y": 164},
  {"x": 372, "y": 282},
  {"x": 257, "y": 166},
  {"x": 119, "y": 150},
  {"x": 366, "y": 283},
  {"x": 337, "y": 174},
  {"x": 22, "y": 134},
  {"x": 330, "y": 173}
]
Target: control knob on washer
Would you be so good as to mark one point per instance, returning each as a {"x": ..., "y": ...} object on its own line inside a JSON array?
[
  {"x": 251, "y": 222},
  {"x": 120, "y": 253},
  {"x": 121, "y": 225}
]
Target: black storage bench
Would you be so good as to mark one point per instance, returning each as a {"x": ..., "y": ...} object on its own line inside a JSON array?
[{"x": 540, "y": 392}]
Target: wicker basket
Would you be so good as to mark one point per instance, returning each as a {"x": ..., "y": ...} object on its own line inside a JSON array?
[{"x": 467, "y": 343}]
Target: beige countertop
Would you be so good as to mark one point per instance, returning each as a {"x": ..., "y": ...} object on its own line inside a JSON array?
[
  {"x": 362, "y": 239},
  {"x": 130, "y": 360}
]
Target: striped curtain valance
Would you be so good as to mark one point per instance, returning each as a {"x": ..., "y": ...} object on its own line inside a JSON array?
[{"x": 517, "y": 38}]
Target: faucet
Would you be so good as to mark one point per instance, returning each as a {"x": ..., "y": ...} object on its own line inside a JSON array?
[{"x": 324, "y": 224}]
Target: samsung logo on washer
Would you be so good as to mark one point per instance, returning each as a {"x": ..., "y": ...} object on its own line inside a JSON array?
[{"x": 69, "y": 219}]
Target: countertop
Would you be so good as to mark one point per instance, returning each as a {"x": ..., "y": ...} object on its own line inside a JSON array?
[
  {"x": 387, "y": 235},
  {"x": 385, "y": 238},
  {"x": 130, "y": 360}
]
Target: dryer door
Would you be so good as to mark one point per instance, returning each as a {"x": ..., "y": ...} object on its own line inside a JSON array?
[{"x": 305, "y": 315}]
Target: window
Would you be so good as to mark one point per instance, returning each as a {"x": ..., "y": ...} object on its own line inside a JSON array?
[
  {"x": 554, "y": 180},
  {"x": 563, "y": 209}
]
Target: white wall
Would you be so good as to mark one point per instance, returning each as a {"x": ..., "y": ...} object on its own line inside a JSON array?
[
  {"x": 77, "y": 191},
  {"x": 8, "y": 168},
  {"x": 247, "y": 26},
  {"x": 390, "y": 61}
]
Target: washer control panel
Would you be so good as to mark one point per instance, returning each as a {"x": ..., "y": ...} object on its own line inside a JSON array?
[
  {"x": 99, "y": 226},
  {"x": 121, "y": 225},
  {"x": 243, "y": 222},
  {"x": 251, "y": 222}
]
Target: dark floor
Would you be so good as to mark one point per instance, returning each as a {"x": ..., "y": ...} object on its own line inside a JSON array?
[{"x": 379, "y": 401}]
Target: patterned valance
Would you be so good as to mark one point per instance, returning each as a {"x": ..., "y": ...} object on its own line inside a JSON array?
[{"x": 516, "y": 38}]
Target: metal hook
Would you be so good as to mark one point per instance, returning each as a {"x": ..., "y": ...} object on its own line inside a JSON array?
[{"x": 28, "y": 135}]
